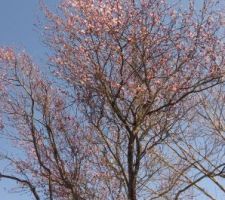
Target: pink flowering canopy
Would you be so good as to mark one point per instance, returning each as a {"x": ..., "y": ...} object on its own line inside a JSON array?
[
  {"x": 124, "y": 114},
  {"x": 137, "y": 46}
]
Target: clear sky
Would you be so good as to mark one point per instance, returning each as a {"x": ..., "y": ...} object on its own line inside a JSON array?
[{"x": 17, "y": 30}]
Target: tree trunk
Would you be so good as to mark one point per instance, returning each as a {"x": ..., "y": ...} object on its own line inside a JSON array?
[
  {"x": 132, "y": 190},
  {"x": 131, "y": 171}
]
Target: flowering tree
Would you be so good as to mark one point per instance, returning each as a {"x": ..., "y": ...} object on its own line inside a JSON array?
[
  {"x": 122, "y": 122},
  {"x": 55, "y": 157}
]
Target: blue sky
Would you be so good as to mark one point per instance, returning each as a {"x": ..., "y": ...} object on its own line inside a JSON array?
[
  {"x": 17, "y": 20},
  {"x": 17, "y": 30}
]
